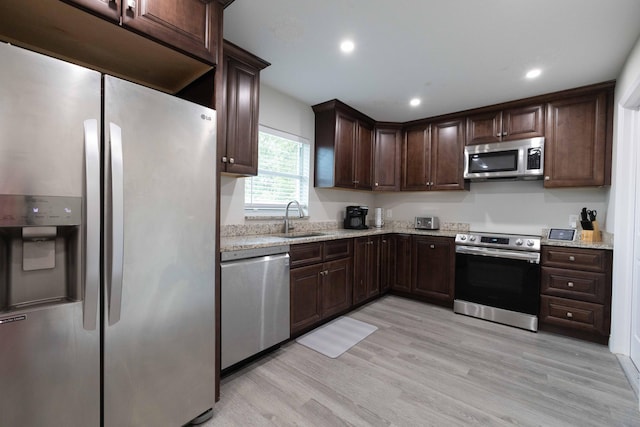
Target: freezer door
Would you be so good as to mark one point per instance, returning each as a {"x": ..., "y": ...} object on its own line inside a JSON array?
[
  {"x": 49, "y": 341},
  {"x": 159, "y": 318}
]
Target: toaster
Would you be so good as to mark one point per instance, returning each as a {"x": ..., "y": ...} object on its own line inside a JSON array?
[{"x": 427, "y": 223}]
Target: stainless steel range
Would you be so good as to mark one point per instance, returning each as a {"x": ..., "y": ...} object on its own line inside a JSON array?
[{"x": 498, "y": 278}]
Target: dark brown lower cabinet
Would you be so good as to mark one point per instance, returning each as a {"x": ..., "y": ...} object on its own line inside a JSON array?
[
  {"x": 366, "y": 268},
  {"x": 335, "y": 287},
  {"x": 576, "y": 292},
  {"x": 385, "y": 264},
  {"x": 305, "y": 297},
  {"x": 400, "y": 262},
  {"x": 433, "y": 260},
  {"x": 321, "y": 281}
]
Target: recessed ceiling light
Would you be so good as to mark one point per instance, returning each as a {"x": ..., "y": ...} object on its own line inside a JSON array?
[
  {"x": 415, "y": 102},
  {"x": 347, "y": 46},
  {"x": 532, "y": 74}
]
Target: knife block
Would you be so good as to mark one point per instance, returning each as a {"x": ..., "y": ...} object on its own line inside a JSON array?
[{"x": 591, "y": 236}]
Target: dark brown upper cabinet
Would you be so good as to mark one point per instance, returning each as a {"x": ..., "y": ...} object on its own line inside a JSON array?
[
  {"x": 387, "y": 155},
  {"x": 191, "y": 26},
  {"x": 578, "y": 141},
  {"x": 238, "y": 129},
  {"x": 343, "y": 147},
  {"x": 432, "y": 157},
  {"x": 505, "y": 125}
]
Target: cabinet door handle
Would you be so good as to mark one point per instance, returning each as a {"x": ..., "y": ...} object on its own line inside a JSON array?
[
  {"x": 224, "y": 159},
  {"x": 504, "y": 133},
  {"x": 570, "y": 284},
  {"x": 376, "y": 184},
  {"x": 432, "y": 246},
  {"x": 231, "y": 160},
  {"x": 131, "y": 4},
  {"x": 498, "y": 134},
  {"x": 572, "y": 258},
  {"x": 547, "y": 178},
  {"x": 569, "y": 314}
]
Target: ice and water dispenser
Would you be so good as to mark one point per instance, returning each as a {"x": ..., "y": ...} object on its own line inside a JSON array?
[{"x": 40, "y": 251}]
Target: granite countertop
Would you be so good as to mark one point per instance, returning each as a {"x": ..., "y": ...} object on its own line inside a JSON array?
[
  {"x": 236, "y": 243},
  {"x": 607, "y": 243}
]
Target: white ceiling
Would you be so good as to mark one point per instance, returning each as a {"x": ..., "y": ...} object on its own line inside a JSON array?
[{"x": 454, "y": 54}]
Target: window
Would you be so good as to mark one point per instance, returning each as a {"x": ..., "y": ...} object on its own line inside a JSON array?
[{"x": 283, "y": 174}]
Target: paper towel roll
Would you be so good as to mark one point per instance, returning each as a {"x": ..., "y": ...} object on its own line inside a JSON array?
[{"x": 378, "y": 221}]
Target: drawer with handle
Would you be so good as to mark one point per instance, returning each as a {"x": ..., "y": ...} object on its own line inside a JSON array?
[
  {"x": 578, "y": 315},
  {"x": 579, "y": 285},
  {"x": 575, "y": 258}
]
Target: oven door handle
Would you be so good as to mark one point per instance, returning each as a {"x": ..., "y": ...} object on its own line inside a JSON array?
[{"x": 532, "y": 257}]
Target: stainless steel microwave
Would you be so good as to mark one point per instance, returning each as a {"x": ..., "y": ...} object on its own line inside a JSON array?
[{"x": 522, "y": 159}]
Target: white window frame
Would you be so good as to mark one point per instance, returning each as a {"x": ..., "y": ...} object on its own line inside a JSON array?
[{"x": 278, "y": 210}]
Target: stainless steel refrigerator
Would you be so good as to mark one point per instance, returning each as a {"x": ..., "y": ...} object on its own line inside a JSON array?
[{"x": 107, "y": 249}]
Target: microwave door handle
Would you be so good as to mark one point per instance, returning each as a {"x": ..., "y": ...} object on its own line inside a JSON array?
[
  {"x": 116, "y": 221},
  {"x": 91, "y": 224}
]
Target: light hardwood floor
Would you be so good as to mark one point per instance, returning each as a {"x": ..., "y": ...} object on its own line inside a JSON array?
[{"x": 426, "y": 366}]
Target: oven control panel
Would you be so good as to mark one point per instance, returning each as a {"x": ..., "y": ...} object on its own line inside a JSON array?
[{"x": 506, "y": 241}]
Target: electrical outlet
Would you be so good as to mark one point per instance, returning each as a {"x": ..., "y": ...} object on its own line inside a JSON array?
[
  {"x": 389, "y": 213},
  {"x": 573, "y": 221}
]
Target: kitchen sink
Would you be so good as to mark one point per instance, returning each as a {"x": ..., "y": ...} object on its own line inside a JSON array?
[{"x": 300, "y": 235}]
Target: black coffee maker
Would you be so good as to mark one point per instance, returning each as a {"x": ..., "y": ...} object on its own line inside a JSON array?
[{"x": 356, "y": 217}]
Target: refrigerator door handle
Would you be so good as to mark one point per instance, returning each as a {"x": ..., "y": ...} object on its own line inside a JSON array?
[
  {"x": 91, "y": 224},
  {"x": 117, "y": 225}
]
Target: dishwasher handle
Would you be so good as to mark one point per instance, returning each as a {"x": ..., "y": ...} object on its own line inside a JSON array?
[{"x": 253, "y": 253}]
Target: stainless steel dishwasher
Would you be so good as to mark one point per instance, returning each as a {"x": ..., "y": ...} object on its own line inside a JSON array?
[{"x": 254, "y": 302}]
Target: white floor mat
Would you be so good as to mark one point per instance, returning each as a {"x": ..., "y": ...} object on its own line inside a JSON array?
[{"x": 336, "y": 337}]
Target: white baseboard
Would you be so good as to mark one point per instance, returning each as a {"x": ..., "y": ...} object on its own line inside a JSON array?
[{"x": 632, "y": 374}]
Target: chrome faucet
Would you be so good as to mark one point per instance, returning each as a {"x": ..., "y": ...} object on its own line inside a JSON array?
[{"x": 287, "y": 227}]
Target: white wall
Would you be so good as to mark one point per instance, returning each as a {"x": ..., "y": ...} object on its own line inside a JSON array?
[
  {"x": 621, "y": 204},
  {"x": 507, "y": 206}
]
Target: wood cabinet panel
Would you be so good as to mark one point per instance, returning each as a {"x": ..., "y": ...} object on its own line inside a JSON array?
[
  {"x": 184, "y": 24},
  {"x": 576, "y": 292},
  {"x": 337, "y": 287},
  {"x": 239, "y": 138},
  {"x": 579, "y": 285},
  {"x": 335, "y": 249},
  {"x": 346, "y": 134},
  {"x": 505, "y": 125},
  {"x": 433, "y": 261},
  {"x": 363, "y": 160},
  {"x": 366, "y": 262},
  {"x": 525, "y": 122},
  {"x": 577, "y": 144},
  {"x": 305, "y": 254},
  {"x": 385, "y": 264},
  {"x": 416, "y": 158},
  {"x": 306, "y": 308},
  {"x": 321, "y": 280},
  {"x": 343, "y": 147},
  {"x": 447, "y": 151},
  {"x": 576, "y": 315},
  {"x": 484, "y": 128},
  {"x": 433, "y": 157},
  {"x": 573, "y": 258},
  {"x": 387, "y": 154},
  {"x": 188, "y": 25},
  {"x": 400, "y": 252}
]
